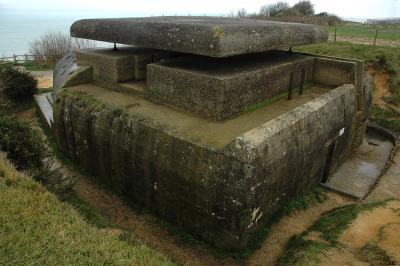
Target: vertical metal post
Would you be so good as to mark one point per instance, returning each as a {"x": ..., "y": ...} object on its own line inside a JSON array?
[
  {"x": 334, "y": 39},
  {"x": 376, "y": 36},
  {"x": 290, "y": 86},
  {"x": 115, "y": 47},
  {"x": 302, "y": 81},
  {"x": 15, "y": 59}
]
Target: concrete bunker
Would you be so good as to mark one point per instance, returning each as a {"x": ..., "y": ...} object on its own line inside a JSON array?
[{"x": 213, "y": 123}]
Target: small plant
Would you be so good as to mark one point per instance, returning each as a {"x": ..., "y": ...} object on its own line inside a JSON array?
[
  {"x": 24, "y": 146},
  {"x": 18, "y": 85}
]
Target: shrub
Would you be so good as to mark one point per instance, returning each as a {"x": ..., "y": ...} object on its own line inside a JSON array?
[
  {"x": 18, "y": 85},
  {"x": 304, "y": 8},
  {"x": 52, "y": 46},
  {"x": 24, "y": 146},
  {"x": 274, "y": 10}
]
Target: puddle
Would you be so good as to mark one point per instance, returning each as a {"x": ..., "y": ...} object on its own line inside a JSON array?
[
  {"x": 358, "y": 174},
  {"x": 369, "y": 170}
]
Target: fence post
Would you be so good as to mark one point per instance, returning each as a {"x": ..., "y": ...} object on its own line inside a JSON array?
[
  {"x": 376, "y": 36},
  {"x": 15, "y": 59},
  {"x": 334, "y": 39},
  {"x": 26, "y": 59}
]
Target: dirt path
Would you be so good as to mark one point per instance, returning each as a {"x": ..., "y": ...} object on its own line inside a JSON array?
[
  {"x": 367, "y": 41},
  {"x": 45, "y": 78},
  {"x": 372, "y": 239}
]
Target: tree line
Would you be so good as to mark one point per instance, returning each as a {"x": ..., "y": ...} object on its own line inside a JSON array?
[{"x": 302, "y": 11}]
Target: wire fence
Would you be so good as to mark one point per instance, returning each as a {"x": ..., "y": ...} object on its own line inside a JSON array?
[{"x": 24, "y": 58}]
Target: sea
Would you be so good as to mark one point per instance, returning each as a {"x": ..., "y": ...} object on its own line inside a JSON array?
[{"x": 20, "y": 27}]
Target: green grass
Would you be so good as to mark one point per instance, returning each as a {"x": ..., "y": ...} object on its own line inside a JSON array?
[
  {"x": 331, "y": 224},
  {"x": 368, "y": 53},
  {"x": 36, "y": 228},
  {"x": 302, "y": 252},
  {"x": 385, "y": 32},
  {"x": 386, "y": 118},
  {"x": 32, "y": 66}
]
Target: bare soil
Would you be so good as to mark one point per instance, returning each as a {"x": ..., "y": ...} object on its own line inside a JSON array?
[
  {"x": 45, "y": 78},
  {"x": 380, "y": 226},
  {"x": 275, "y": 243},
  {"x": 380, "y": 89}
]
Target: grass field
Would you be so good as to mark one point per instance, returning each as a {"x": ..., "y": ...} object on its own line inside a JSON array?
[
  {"x": 385, "y": 32},
  {"x": 37, "y": 229}
]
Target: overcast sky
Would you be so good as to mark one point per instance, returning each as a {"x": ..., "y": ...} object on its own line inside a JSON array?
[{"x": 343, "y": 8}]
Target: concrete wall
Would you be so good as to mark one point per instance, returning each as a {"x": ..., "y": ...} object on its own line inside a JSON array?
[
  {"x": 222, "y": 96},
  {"x": 125, "y": 64},
  {"x": 220, "y": 195}
]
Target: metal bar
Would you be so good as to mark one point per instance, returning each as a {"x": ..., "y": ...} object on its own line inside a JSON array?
[
  {"x": 290, "y": 86},
  {"x": 302, "y": 82}
]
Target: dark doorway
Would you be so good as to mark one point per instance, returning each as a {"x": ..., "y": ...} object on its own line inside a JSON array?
[{"x": 328, "y": 162}]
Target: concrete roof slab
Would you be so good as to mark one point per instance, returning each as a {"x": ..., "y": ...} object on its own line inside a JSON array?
[{"x": 209, "y": 36}]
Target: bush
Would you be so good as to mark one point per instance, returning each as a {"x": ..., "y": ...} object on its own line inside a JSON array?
[
  {"x": 18, "y": 85},
  {"x": 304, "y": 8},
  {"x": 274, "y": 10},
  {"x": 24, "y": 146},
  {"x": 52, "y": 46}
]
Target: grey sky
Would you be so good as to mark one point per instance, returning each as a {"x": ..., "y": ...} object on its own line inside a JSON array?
[{"x": 343, "y": 8}]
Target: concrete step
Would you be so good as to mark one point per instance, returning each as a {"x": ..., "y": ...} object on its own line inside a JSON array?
[
  {"x": 44, "y": 104},
  {"x": 359, "y": 174},
  {"x": 133, "y": 87}
]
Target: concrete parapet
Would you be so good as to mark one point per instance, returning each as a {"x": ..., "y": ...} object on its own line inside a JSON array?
[
  {"x": 122, "y": 65},
  {"x": 223, "y": 88}
]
